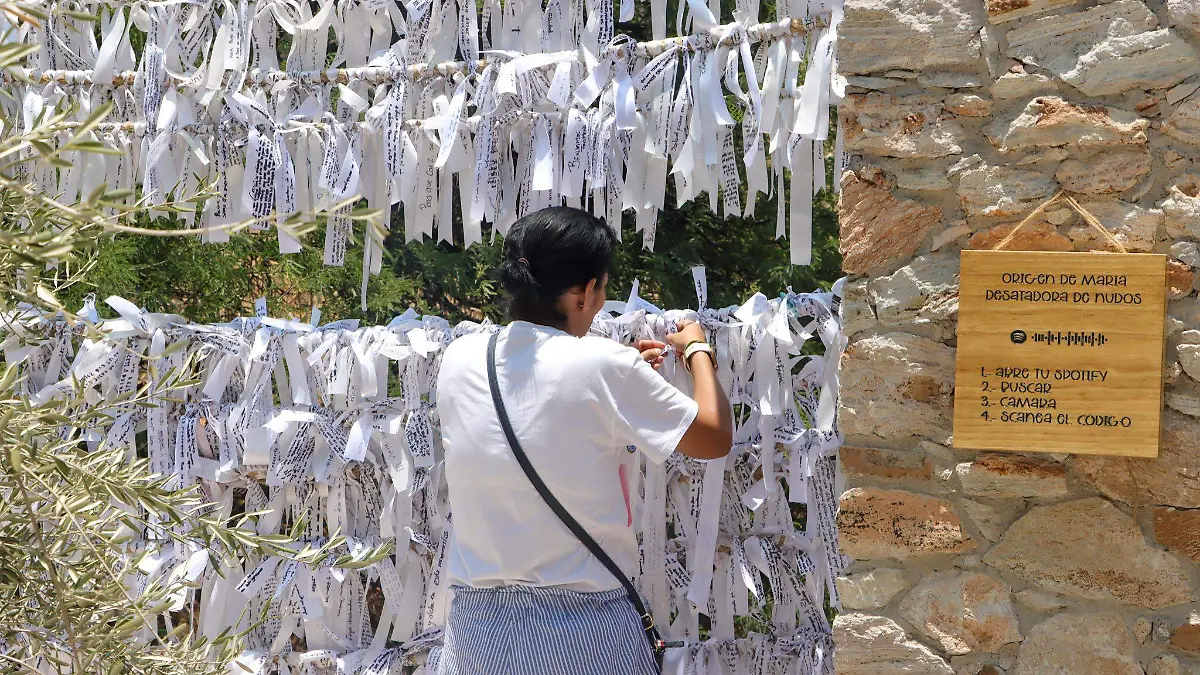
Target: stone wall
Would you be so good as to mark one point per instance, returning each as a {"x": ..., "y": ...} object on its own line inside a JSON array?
[{"x": 961, "y": 118}]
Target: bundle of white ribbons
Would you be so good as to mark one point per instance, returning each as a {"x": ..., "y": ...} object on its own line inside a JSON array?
[
  {"x": 519, "y": 105},
  {"x": 338, "y": 424}
]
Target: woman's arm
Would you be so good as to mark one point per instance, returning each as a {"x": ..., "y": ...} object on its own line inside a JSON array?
[{"x": 711, "y": 433}]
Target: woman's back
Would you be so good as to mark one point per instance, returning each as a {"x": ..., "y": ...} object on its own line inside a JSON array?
[{"x": 575, "y": 404}]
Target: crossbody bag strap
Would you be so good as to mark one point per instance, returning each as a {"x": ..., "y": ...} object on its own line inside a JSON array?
[{"x": 556, "y": 506}]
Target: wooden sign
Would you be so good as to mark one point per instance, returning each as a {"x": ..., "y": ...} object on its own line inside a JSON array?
[{"x": 1060, "y": 352}]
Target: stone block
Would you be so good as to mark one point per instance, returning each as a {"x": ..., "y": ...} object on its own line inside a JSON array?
[
  {"x": 1105, "y": 171},
  {"x": 999, "y": 191},
  {"x": 925, "y": 178},
  {"x": 992, "y": 520},
  {"x": 1181, "y": 209},
  {"x": 857, "y": 313},
  {"x": 1171, "y": 479},
  {"x": 1035, "y": 236},
  {"x": 1183, "y": 396},
  {"x": 999, "y": 11},
  {"x": 1089, "y": 549},
  {"x": 1184, "y": 15},
  {"x": 1180, "y": 279},
  {"x": 1187, "y": 636},
  {"x": 873, "y": 589},
  {"x": 919, "y": 298},
  {"x": 899, "y": 126},
  {"x": 1179, "y": 531},
  {"x": 1141, "y": 629},
  {"x": 879, "y": 35},
  {"x": 1022, "y": 85},
  {"x": 963, "y": 612},
  {"x": 1108, "y": 49},
  {"x": 877, "y": 229},
  {"x": 877, "y": 524},
  {"x": 1050, "y": 121},
  {"x": 1163, "y": 665},
  {"x": 1040, "y": 601},
  {"x": 1093, "y": 643},
  {"x": 993, "y": 475},
  {"x": 1135, "y": 227},
  {"x": 897, "y": 386},
  {"x": 876, "y": 645},
  {"x": 969, "y": 105},
  {"x": 883, "y": 464},
  {"x": 951, "y": 234},
  {"x": 1184, "y": 122}
]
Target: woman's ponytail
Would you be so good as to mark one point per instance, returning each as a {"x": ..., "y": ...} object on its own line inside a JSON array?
[{"x": 548, "y": 253}]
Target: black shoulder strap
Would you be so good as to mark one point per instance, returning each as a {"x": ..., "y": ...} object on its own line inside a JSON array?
[{"x": 555, "y": 506}]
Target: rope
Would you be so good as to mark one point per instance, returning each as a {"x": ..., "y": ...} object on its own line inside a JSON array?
[{"x": 1061, "y": 195}]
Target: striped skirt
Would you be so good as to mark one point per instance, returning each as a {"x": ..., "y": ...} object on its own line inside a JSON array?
[{"x": 524, "y": 630}]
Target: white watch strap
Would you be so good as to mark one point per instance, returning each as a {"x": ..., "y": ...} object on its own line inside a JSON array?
[{"x": 698, "y": 347}]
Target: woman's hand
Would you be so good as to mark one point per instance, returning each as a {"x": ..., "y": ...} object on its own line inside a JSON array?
[
  {"x": 688, "y": 331},
  {"x": 652, "y": 352}
]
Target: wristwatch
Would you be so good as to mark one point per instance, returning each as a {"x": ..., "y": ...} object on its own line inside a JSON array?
[{"x": 697, "y": 346}]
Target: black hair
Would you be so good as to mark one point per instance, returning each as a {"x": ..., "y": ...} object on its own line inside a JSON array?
[{"x": 549, "y": 252}]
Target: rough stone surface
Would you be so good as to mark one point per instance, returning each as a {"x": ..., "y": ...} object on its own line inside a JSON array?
[
  {"x": 999, "y": 191},
  {"x": 1179, "y": 531},
  {"x": 919, "y": 298},
  {"x": 1184, "y": 15},
  {"x": 1172, "y": 479},
  {"x": 878, "y": 35},
  {"x": 897, "y": 386},
  {"x": 1184, "y": 122},
  {"x": 1105, "y": 171},
  {"x": 969, "y": 105},
  {"x": 950, "y": 234},
  {"x": 1180, "y": 279},
  {"x": 878, "y": 230},
  {"x": 876, "y": 524},
  {"x": 950, "y": 80},
  {"x": 1163, "y": 665},
  {"x": 1006, "y": 10},
  {"x": 927, "y": 178},
  {"x": 1141, "y": 629},
  {"x": 1135, "y": 227},
  {"x": 865, "y": 464},
  {"x": 1087, "y": 548},
  {"x": 1181, "y": 209},
  {"x": 871, "y": 590},
  {"x": 1022, "y": 85},
  {"x": 1039, "y": 601},
  {"x": 963, "y": 612},
  {"x": 892, "y": 126},
  {"x": 1051, "y": 121},
  {"x": 991, "y": 520},
  {"x": 1107, "y": 49},
  {"x": 1188, "y": 354},
  {"x": 1012, "y": 476},
  {"x": 1035, "y": 236},
  {"x": 1183, "y": 397},
  {"x": 1069, "y": 644},
  {"x": 1186, "y": 252},
  {"x": 857, "y": 313},
  {"x": 876, "y": 645},
  {"x": 1187, "y": 635}
]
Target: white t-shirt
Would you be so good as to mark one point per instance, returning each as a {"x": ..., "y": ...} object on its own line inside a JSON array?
[{"x": 575, "y": 404}]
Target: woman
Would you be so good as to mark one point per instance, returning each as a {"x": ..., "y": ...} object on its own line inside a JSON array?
[{"x": 528, "y": 596}]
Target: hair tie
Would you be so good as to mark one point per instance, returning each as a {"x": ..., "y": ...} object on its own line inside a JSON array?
[{"x": 523, "y": 261}]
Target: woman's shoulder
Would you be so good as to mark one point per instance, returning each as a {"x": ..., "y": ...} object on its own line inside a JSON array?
[
  {"x": 607, "y": 353},
  {"x": 470, "y": 343}
]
